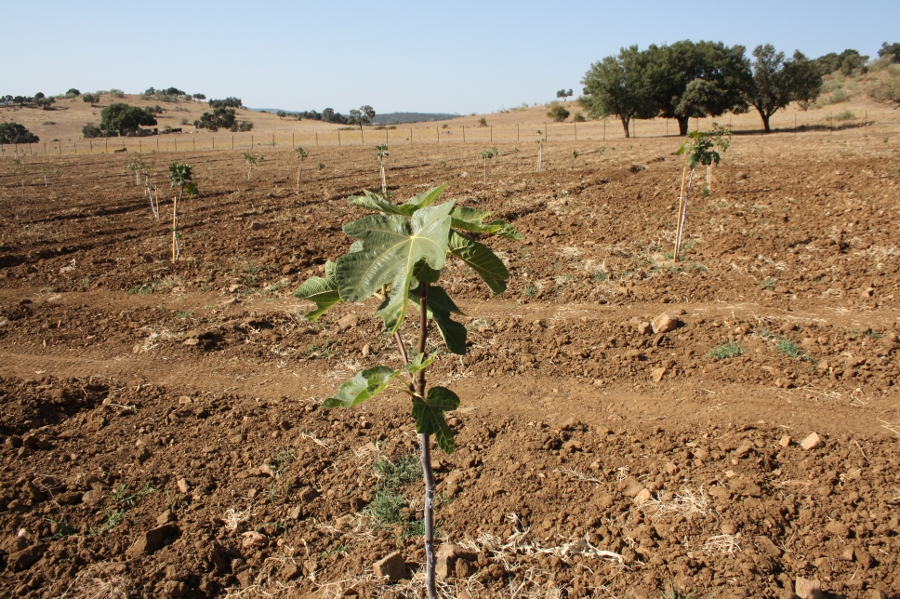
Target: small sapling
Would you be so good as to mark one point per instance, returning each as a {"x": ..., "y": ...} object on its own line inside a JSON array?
[
  {"x": 181, "y": 176},
  {"x": 301, "y": 156},
  {"x": 44, "y": 172},
  {"x": 22, "y": 170},
  {"x": 701, "y": 147},
  {"x": 398, "y": 255},
  {"x": 381, "y": 152},
  {"x": 485, "y": 156},
  {"x": 251, "y": 160}
]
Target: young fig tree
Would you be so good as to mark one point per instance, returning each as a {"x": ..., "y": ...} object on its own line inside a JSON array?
[
  {"x": 181, "y": 176},
  {"x": 485, "y": 156},
  {"x": 381, "y": 152},
  {"x": 399, "y": 254},
  {"x": 301, "y": 156},
  {"x": 701, "y": 148},
  {"x": 251, "y": 160}
]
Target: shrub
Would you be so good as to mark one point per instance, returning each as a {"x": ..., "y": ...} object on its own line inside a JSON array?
[
  {"x": 221, "y": 118},
  {"x": 558, "y": 112},
  {"x": 116, "y": 93},
  {"x": 14, "y": 133},
  {"x": 579, "y": 118},
  {"x": 90, "y": 130},
  {"x": 124, "y": 118},
  {"x": 844, "y": 115},
  {"x": 228, "y": 102},
  {"x": 73, "y": 92},
  {"x": 245, "y": 126}
]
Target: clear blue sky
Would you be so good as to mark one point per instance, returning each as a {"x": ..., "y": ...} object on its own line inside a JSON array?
[{"x": 464, "y": 56}]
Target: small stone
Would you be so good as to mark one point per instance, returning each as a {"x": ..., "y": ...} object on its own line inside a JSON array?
[
  {"x": 785, "y": 442},
  {"x": 152, "y": 541},
  {"x": 665, "y": 323},
  {"x": 807, "y": 588},
  {"x": 183, "y": 486},
  {"x": 254, "y": 539},
  {"x": 449, "y": 557},
  {"x": 184, "y": 400},
  {"x": 837, "y": 529},
  {"x": 267, "y": 470},
  {"x": 165, "y": 517},
  {"x": 728, "y": 528},
  {"x": 645, "y": 328},
  {"x": 391, "y": 567},
  {"x": 863, "y": 558},
  {"x": 657, "y": 374},
  {"x": 767, "y": 546},
  {"x": 191, "y": 341},
  {"x": 643, "y": 497},
  {"x": 811, "y": 442},
  {"x": 347, "y": 322},
  {"x": 630, "y": 487},
  {"x": 847, "y": 554},
  {"x": 93, "y": 497},
  {"x": 366, "y": 350}
]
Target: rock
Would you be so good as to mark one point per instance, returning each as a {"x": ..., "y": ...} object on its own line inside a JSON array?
[
  {"x": 785, "y": 441},
  {"x": 630, "y": 487},
  {"x": 768, "y": 547},
  {"x": 184, "y": 400},
  {"x": 665, "y": 322},
  {"x": 863, "y": 558},
  {"x": 657, "y": 374},
  {"x": 191, "y": 341},
  {"x": 391, "y": 567},
  {"x": 644, "y": 328},
  {"x": 643, "y": 497},
  {"x": 152, "y": 540},
  {"x": 24, "y": 559},
  {"x": 165, "y": 517},
  {"x": 837, "y": 529},
  {"x": 93, "y": 497},
  {"x": 254, "y": 539},
  {"x": 452, "y": 560},
  {"x": 813, "y": 441},
  {"x": 183, "y": 486},
  {"x": 877, "y": 594},
  {"x": 347, "y": 322},
  {"x": 267, "y": 470},
  {"x": 728, "y": 528},
  {"x": 806, "y": 588}
]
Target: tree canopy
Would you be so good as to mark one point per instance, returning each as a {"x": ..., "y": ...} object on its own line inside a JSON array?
[
  {"x": 361, "y": 117},
  {"x": 14, "y": 133},
  {"x": 220, "y": 118},
  {"x": 778, "y": 81},
  {"x": 892, "y": 50},
  {"x": 124, "y": 118},
  {"x": 617, "y": 86}
]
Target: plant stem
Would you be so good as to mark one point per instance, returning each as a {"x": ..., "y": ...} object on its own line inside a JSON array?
[{"x": 425, "y": 442}]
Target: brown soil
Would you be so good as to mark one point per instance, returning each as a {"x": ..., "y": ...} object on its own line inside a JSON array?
[{"x": 183, "y": 398}]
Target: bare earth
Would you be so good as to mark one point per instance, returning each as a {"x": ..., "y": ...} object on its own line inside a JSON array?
[{"x": 154, "y": 413}]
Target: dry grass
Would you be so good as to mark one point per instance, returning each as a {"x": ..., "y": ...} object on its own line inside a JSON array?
[
  {"x": 722, "y": 544},
  {"x": 687, "y": 504},
  {"x": 100, "y": 581}
]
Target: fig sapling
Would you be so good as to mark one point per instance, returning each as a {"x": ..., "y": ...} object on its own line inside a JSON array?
[
  {"x": 301, "y": 156},
  {"x": 381, "y": 152},
  {"x": 251, "y": 160},
  {"x": 399, "y": 254},
  {"x": 485, "y": 156},
  {"x": 702, "y": 148},
  {"x": 181, "y": 176}
]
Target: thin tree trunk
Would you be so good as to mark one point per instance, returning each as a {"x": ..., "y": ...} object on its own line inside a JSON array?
[
  {"x": 383, "y": 180},
  {"x": 625, "y": 123},
  {"x": 425, "y": 442},
  {"x": 683, "y": 124},
  {"x": 298, "y": 178}
]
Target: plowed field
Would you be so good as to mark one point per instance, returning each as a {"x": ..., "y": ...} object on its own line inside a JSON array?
[{"x": 154, "y": 413}]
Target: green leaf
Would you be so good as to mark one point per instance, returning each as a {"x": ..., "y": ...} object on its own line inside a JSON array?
[
  {"x": 392, "y": 247},
  {"x": 425, "y": 274},
  {"x": 422, "y": 200},
  {"x": 322, "y": 292},
  {"x": 472, "y": 219},
  {"x": 420, "y": 362},
  {"x": 440, "y": 306},
  {"x": 429, "y": 416},
  {"x": 363, "y": 386},
  {"x": 373, "y": 201},
  {"x": 480, "y": 259}
]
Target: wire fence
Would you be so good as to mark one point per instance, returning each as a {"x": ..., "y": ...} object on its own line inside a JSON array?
[{"x": 599, "y": 130}]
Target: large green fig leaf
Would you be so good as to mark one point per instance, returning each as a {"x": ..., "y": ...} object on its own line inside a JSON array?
[
  {"x": 472, "y": 219},
  {"x": 440, "y": 307},
  {"x": 480, "y": 259},
  {"x": 363, "y": 386},
  {"x": 422, "y": 200},
  {"x": 429, "y": 416},
  {"x": 392, "y": 246},
  {"x": 323, "y": 292},
  {"x": 373, "y": 201}
]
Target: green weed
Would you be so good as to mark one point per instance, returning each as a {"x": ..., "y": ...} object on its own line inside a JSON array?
[
  {"x": 391, "y": 475},
  {"x": 384, "y": 509},
  {"x": 725, "y": 351},
  {"x": 530, "y": 291},
  {"x": 788, "y": 348}
]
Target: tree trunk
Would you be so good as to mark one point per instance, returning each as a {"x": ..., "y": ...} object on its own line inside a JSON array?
[
  {"x": 425, "y": 442},
  {"x": 683, "y": 124},
  {"x": 625, "y": 123},
  {"x": 765, "y": 119}
]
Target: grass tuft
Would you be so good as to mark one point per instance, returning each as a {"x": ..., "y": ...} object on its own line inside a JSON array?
[{"x": 725, "y": 351}]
